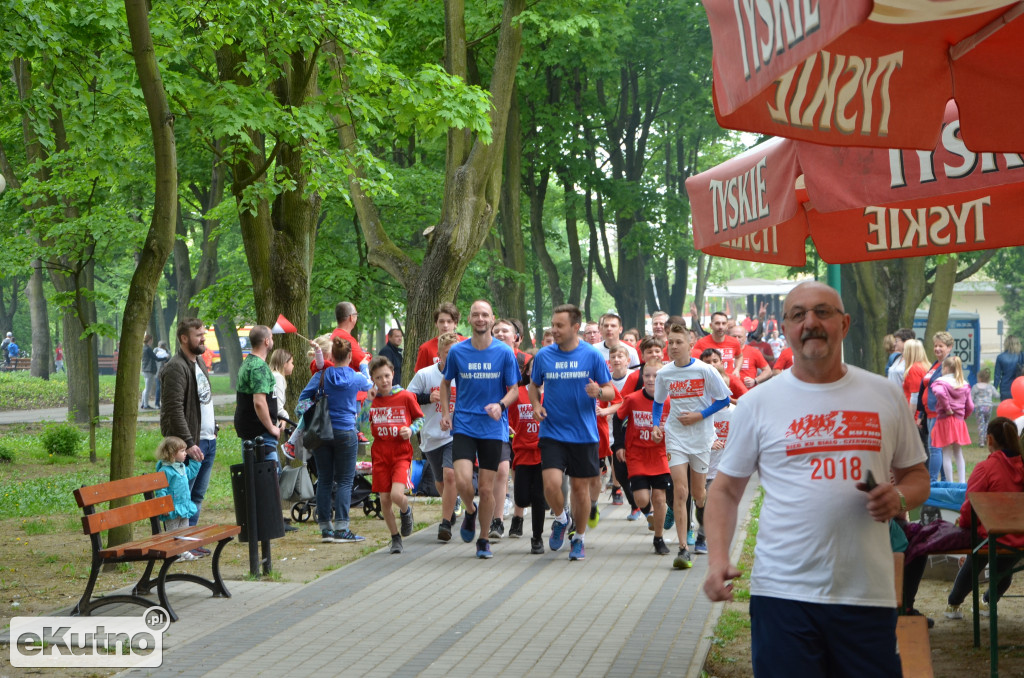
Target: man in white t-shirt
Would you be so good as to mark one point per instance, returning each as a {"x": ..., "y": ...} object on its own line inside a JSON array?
[
  {"x": 611, "y": 330},
  {"x": 435, "y": 443},
  {"x": 822, "y": 589}
]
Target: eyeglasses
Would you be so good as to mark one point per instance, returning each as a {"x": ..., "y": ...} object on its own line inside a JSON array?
[{"x": 821, "y": 311}]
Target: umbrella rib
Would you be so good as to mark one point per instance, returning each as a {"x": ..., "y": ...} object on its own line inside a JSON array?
[{"x": 962, "y": 48}]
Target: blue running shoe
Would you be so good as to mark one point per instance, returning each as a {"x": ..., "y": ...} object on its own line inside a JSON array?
[
  {"x": 670, "y": 518},
  {"x": 701, "y": 546},
  {"x": 634, "y": 514},
  {"x": 577, "y": 552},
  {"x": 483, "y": 549},
  {"x": 691, "y": 538},
  {"x": 468, "y": 529},
  {"x": 557, "y": 537}
]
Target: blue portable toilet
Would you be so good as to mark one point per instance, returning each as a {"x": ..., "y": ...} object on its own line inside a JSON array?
[{"x": 966, "y": 330}]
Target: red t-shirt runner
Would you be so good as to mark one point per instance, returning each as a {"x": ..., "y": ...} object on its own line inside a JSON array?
[
  {"x": 427, "y": 355},
  {"x": 785, "y": 359},
  {"x": 753, "y": 360},
  {"x": 525, "y": 443},
  {"x": 730, "y": 348},
  {"x": 391, "y": 454},
  {"x": 644, "y": 457}
]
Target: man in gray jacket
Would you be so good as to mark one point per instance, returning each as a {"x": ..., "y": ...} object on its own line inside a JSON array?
[{"x": 187, "y": 404}]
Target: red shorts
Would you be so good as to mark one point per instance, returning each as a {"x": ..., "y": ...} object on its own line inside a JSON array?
[{"x": 387, "y": 471}]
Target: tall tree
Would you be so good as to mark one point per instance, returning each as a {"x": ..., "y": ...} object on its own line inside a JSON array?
[{"x": 159, "y": 241}]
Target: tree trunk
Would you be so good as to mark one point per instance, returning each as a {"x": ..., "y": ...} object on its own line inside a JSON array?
[
  {"x": 942, "y": 298},
  {"x": 538, "y": 307},
  {"x": 157, "y": 247},
  {"x": 572, "y": 237},
  {"x": 230, "y": 349},
  {"x": 537, "y": 192},
  {"x": 41, "y": 350},
  {"x": 511, "y": 293},
  {"x": 864, "y": 300}
]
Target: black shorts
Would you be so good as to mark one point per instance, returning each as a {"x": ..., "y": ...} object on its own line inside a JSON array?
[
  {"x": 578, "y": 460},
  {"x": 506, "y": 452},
  {"x": 659, "y": 482},
  {"x": 484, "y": 451}
]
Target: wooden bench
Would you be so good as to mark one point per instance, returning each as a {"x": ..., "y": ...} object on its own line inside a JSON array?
[
  {"x": 911, "y": 633},
  {"x": 18, "y": 364},
  {"x": 162, "y": 547}
]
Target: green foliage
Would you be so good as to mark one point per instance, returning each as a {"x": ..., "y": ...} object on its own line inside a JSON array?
[
  {"x": 6, "y": 454},
  {"x": 20, "y": 390},
  {"x": 62, "y": 440},
  {"x": 27, "y": 497},
  {"x": 1007, "y": 269}
]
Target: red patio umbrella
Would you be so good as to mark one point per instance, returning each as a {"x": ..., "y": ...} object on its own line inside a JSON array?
[
  {"x": 859, "y": 203},
  {"x": 863, "y": 73}
]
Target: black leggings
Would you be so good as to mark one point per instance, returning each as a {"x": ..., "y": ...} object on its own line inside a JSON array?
[
  {"x": 913, "y": 572},
  {"x": 622, "y": 478},
  {"x": 529, "y": 491}
]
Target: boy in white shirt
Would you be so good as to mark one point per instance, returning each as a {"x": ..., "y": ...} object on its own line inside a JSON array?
[{"x": 696, "y": 392}]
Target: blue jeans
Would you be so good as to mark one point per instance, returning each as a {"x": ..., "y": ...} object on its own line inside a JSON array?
[
  {"x": 202, "y": 480},
  {"x": 335, "y": 466},
  {"x": 934, "y": 455}
]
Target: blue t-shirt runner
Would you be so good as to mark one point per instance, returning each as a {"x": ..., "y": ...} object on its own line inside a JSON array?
[
  {"x": 481, "y": 377},
  {"x": 564, "y": 375}
]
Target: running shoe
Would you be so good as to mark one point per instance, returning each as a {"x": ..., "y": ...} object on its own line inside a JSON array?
[
  {"x": 396, "y": 544},
  {"x": 187, "y": 555},
  {"x": 616, "y": 496},
  {"x": 362, "y": 438},
  {"x": 202, "y": 553},
  {"x": 508, "y": 506},
  {"x": 444, "y": 531},
  {"x": 327, "y": 536},
  {"x": 634, "y": 514},
  {"x": 595, "y": 517},
  {"x": 953, "y": 612},
  {"x": 701, "y": 545},
  {"x": 650, "y": 521},
  {"x": 483, "y": 549},
  {"x": 497, "y": 530},
  {"x": 515, "y": 530},
  {"x": 660, "y": 547},
  {"x": 536, "y": 545},
  {"x": 458, "y": 507},
  {"x": 571, "y": 532},
  {"x": 577, "y": 552},
  {"x": 347, "y": 537},
  {"x": 468, "y": 530},
  {"x": 691, "y": 537},
  {"x": 557, "y": 537},
  {"x": 289, "y": 451},
  {"x": 670, "y": 518},
  {"x": 406, "y": 522},
  {"x": 683, "y": 560}
]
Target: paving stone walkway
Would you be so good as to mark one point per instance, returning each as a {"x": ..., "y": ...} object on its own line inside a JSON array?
[{"x": 436, "y": 610}]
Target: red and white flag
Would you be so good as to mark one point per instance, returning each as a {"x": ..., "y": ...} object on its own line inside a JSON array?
[{"x": 283, "y": 326}]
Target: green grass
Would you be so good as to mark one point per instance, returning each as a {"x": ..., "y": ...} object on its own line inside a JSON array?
[{"x": 21, "y": 391}]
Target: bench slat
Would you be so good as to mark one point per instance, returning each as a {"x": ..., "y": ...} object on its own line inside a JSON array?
[
  {"x": 118, "y": 489},
  {"x": 123, "y": 515},
  {"x": 166, "y": 543},
  {"x": 914, "y": 646}
]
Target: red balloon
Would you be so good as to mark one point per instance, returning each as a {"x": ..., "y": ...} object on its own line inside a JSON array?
[
  {"x": 1017, "y": 391},
  {"x": 1009, "y": 409}
]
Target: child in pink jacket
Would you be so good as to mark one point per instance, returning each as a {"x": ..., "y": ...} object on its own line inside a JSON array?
[{"x": 953, "y": 406}]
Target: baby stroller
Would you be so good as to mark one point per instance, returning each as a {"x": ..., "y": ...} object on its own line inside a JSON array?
[{"x": 362, "y": 494}]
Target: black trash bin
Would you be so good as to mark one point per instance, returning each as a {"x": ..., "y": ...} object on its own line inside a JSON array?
[{"x": 269, "y": 521}]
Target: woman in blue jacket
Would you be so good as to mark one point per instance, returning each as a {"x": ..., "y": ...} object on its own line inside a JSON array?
[{"x": 336, "y": 459}]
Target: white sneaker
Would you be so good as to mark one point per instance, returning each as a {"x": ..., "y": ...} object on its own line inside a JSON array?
[
  {"x": 983, "y": 608},
  {"x": 953, "y": 612},
  {"x": 187, "y": 555},
  {"x": 508, "y": 505}
]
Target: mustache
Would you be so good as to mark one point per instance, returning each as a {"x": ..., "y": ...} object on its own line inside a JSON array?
[{"x": 813, "y": 334}]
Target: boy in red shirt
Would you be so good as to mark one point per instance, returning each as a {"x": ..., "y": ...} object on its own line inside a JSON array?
[
  {"x": 529, "y": 485},
  {"x": 642, "y": 447},
  {"x": 394, "y": 418}
]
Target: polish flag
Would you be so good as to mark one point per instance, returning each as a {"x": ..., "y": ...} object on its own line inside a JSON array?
[{"x": 283, "y": 326}]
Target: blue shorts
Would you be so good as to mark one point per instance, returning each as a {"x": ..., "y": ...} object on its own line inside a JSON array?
[{"x": 793, "y": 638}]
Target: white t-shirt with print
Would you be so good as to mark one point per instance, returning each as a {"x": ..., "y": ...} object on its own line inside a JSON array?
[
  {"x": 690, "y": 388},
  {"x": 428, "y": 380},
  {"x": 207, "y": 421},
  {"x": 810, "y": 445}
]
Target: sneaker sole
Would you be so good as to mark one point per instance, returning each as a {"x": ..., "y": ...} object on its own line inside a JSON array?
[
  {"x": 484, "y": 555},
  {"x": 444, "y": 537},
  {"x": 682, "y": 564},
  {"x": 349, "y": 541}
]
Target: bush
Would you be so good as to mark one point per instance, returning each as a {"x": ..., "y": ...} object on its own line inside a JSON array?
[
  {"x": 6, "y": 455},
  {"x": 62, "y": 440}
]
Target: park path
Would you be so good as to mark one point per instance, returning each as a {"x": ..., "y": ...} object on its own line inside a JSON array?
[
  {"x": 436, "y": 610},
  {"x": 106, "y": 411}
]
